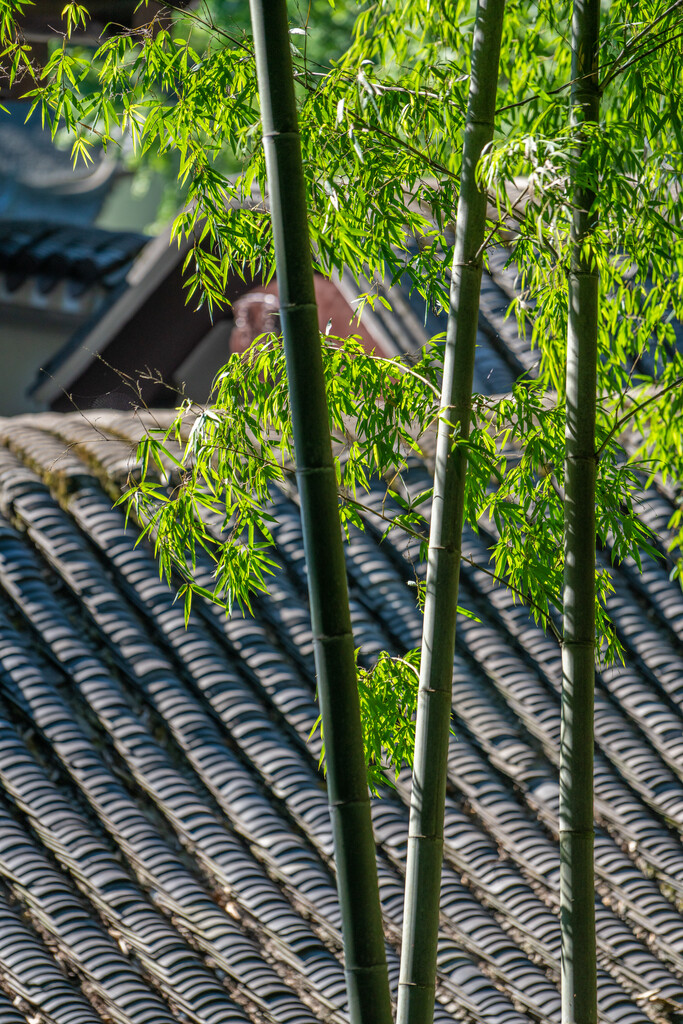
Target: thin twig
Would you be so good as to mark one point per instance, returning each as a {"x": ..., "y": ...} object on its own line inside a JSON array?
[
  {"x": 422, "y": 538},
  {"x": 637, "y": 408},
  {"x": 617, "y": 71},
  {"x": 638, "y": 57},
  {"x": 210, "y": 25},
  {"x": 636, "y": 39}
]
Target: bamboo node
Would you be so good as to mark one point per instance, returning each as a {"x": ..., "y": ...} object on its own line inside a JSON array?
[{"x": 279, "y": 135}]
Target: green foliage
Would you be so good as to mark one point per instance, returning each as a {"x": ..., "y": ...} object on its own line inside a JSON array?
[
  {"x": 220, "y": 466},
  {"x": 381, "y": 122},
  {"x": 76, "y": 17},
  {"x": 14, "y": 52},
  {"x": 391, "y": 111},
  {"x": 526, "y": 505},
  {"x": 388, "y": 700},
  {"x": 388, "y": 704}
]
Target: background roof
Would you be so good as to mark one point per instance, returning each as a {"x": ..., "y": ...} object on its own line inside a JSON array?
[
  {"x": 38, "y": 180},
  {"x": 165, "y": 845}
]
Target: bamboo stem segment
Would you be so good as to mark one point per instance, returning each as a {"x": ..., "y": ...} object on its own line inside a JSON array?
[
  {"x": 425, "y": 840},
  {"x": 365, "y": 960},
  {"x": 577, "y": 885}
]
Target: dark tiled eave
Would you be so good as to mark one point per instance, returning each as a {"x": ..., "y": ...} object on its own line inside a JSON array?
[{"x": 83, "y": 256}]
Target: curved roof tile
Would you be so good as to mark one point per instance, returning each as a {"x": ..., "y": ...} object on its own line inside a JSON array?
[{"x": 164, "y": 837}]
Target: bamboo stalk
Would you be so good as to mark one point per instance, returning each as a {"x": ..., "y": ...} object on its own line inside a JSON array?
[
  {"x": 365, "y": 959},
  {"x": 425, "y": 840},
  {"x": 577, "y": 884}
]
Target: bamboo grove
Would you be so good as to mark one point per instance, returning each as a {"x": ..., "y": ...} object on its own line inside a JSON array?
[{"x": 430, "y": 139}]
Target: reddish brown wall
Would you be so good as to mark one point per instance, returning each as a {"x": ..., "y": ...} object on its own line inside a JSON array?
[{"x": 253, "y": 318}]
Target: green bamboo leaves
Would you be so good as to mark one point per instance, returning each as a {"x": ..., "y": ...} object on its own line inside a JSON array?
[{"x": 211, "y": 466}]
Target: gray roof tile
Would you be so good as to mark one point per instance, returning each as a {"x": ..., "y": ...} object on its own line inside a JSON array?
[{"x": 162, "y": 779}]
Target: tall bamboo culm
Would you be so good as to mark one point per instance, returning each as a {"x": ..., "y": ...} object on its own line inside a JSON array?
[
  {"x": 365, "y": 961},
  {"x": 577, "y": 888},
  {"x": 425, "y": 841}
]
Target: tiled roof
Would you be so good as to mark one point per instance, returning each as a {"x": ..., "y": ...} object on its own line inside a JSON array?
[
  {"x": 165, "y": 846},
  {"x": 83, "y": 257}
]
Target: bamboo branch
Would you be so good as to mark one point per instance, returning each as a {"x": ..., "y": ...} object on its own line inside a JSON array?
[
  {"x": 636, "y": 409},
  {"x": 637, "y": 57},
  {"x": 617, "y": 71},
  {"x": 632, "y": 43}
]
